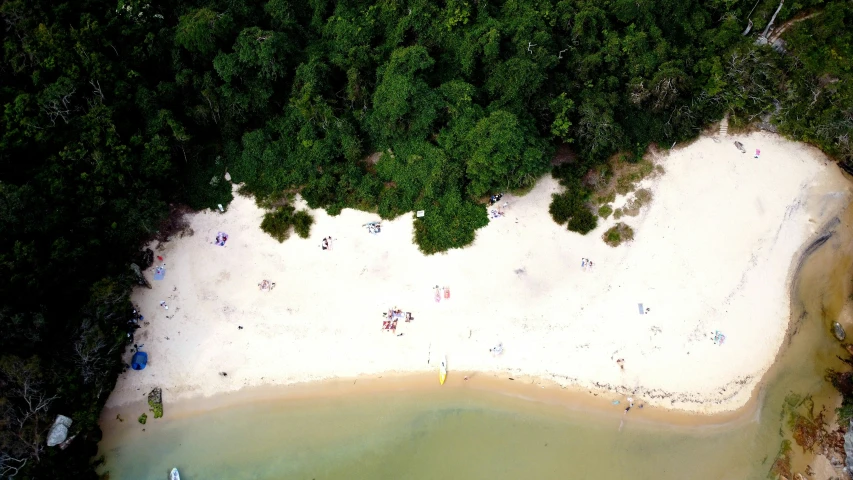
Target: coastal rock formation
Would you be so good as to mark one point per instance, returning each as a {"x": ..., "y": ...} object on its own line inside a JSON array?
[
  {"x": 848, "y": 447},
  {"x": 838, "y": 331},
  {"x": 59, "y": 431},
  {"x": 155, "y": 401}
]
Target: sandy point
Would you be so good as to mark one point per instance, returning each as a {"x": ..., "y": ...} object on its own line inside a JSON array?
[{"x": 711, "y": 260}]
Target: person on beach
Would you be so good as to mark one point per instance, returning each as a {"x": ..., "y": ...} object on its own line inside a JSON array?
[{"x": 325, "y": 244}]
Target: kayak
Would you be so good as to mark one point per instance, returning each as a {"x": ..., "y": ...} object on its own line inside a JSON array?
[
  {"x": 442, "y": 372},
  {"x": 174, "y": 475}
]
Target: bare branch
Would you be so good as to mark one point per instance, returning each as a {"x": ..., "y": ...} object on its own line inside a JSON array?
[
  {"x": 97, "y": 88},
  {"x": 9, "y": 466}
]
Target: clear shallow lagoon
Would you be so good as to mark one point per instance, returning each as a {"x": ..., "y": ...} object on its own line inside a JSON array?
[
  {"x": 455, "y": 434},
  {"x": 467, "y": 433}
]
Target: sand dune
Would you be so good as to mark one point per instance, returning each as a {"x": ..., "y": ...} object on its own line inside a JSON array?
[{"x": 713, "y": 252}]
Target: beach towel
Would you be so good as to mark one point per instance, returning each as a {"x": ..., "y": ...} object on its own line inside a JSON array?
[
  {"x": 446, "y": 292},
  {"x": 160, "y": 273},
  {"x": 640, "y": 306}
]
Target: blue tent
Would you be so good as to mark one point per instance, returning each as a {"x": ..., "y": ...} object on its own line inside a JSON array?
[{"x": 140, "y": 359}]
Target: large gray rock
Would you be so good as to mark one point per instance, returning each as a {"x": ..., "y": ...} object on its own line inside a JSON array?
[
  {"x": 848, "y": 447},
  {"x": 59, "y": 431},
  {"x": 838, "y": 331}
]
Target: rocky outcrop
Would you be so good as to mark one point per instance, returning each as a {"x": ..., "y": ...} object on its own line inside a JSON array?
[
  {"x": 59, "y": 431},
  {"x": 838, "y": 331},
  {"x": 155, "y": 402},
  {"x": 848, "y": 448}
]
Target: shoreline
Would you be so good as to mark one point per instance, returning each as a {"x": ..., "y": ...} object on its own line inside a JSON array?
[
  {"x": 530, "y": 389},
  {"x": 663, "y": 380}
]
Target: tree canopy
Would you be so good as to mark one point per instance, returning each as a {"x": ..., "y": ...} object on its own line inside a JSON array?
[{"x": 117, "y": 113}]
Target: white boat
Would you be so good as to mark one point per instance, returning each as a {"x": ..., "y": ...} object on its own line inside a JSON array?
[{"x": 174, "y": 475}]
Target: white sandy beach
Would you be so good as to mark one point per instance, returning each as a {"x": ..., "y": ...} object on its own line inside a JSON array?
[{"x": 713, "y": 252}]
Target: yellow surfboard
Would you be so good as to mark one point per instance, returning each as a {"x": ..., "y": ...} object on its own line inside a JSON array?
[{"x": 442, "y": 372}]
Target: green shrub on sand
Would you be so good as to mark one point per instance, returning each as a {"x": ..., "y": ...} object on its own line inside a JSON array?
[
  {"x": 570, "y": 206},
  {"x": 449, "y": 222},
  {"x": 583, "y": 221},
  {"x": 617, "y": 234},
  {"x": 143, "y": 418},
  {"x": 279, "y": 222}
]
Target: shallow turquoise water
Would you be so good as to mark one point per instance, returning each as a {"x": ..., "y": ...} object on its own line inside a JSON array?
[{"x": 456, "y": 434}]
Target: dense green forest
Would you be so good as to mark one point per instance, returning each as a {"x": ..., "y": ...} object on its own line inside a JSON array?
[{"x": 118, "y": 113}]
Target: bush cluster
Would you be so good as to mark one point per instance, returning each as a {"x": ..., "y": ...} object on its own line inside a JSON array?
[
  {"x": 618, "y": 234},
  {"x": 572, "y": 206},
  {"x": 279, "y": 223}
]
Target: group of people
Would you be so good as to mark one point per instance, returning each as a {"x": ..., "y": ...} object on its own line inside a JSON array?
[
  {"x": 266, "y": 285},
  {"x": 743, "y": 149},
  {"x": 395, "y": 313},
  {"x": 499, "y": 212},
  {"x": 373, "y": 227},
  {"x": 391, "y": 318},
  {"x": 221, "y": 238},
  {"x": 586, "y": 263},
  {"x": 326, "y": 244},
  {"x": 133, "y": 323},
  {"x": 439, "y": 291}
]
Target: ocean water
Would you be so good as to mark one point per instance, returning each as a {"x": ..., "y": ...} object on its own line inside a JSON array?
[{"x": 459, "y": 432}]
